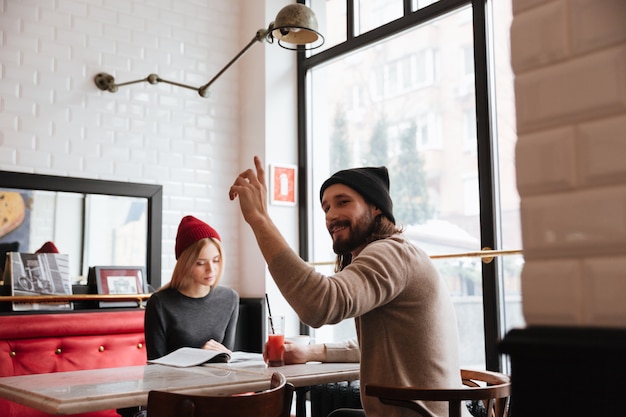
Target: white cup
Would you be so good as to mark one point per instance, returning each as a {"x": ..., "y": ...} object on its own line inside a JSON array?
[{"x": 303, "y": 339}]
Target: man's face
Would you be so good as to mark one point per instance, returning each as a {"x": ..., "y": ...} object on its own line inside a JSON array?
[{"x": 349, "y": 218}]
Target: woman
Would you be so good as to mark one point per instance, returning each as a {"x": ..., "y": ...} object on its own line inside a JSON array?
[{"x": 192, "y": 310}]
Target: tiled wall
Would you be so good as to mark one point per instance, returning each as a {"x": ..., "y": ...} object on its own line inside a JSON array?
[
  {"x": 569, "y": 59},
  {"x": 53, "y": 120}
]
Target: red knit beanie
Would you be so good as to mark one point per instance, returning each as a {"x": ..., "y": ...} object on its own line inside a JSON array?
[
  {"x": 191, "y": 230},
  {"x": 48, "y": 247}
]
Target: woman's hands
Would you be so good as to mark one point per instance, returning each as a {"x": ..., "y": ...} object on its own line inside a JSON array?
[{"x": 213, "y": 345}]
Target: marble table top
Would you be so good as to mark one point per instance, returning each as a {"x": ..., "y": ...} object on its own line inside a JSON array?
[
  {"x": 300, "y": 375},
  {"x": 101, "y": 389}
]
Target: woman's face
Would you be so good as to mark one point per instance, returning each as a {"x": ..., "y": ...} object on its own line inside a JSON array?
[{"x": 207, "y": 267}]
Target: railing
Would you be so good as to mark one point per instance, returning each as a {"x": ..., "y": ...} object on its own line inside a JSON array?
[
  {"x": 486, "y": 254},
  {"x": 139, "y": 298}
]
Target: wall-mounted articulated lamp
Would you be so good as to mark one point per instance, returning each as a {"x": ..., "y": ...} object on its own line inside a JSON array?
[{"x": 295, "y": 24}]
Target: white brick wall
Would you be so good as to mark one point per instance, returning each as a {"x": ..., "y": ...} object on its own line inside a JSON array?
[
  {"x": 569, "y": 58},
  {"x": 53, "y": 120}
]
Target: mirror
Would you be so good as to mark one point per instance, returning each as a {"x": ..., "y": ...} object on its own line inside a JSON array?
[{"x": 95, "y": 222}]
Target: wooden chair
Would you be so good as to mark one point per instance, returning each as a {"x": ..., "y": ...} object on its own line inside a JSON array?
[
  {"x": 492, "y": 388},
  {"x": 275, "y": 402}
]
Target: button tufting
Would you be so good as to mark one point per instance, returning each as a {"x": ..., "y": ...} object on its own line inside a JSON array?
[
  {"x": 13, "y": 354},
  {"x": 139, "y": 345},
  {"x": 58, "y": 351},
  {"x": 101, "y": 349}
]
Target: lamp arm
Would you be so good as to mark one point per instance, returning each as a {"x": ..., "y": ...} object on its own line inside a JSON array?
[
  {"x": 258, "y": 37},
  {"x": 106, "y": 82},
  {"x": 131, "y": 82},
  {"x": 191, "y": 87}
]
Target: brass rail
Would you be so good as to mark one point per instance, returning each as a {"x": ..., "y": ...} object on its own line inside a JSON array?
[
  {"x": 139, "y": 298},
  {"x": 486, "y": 254}
]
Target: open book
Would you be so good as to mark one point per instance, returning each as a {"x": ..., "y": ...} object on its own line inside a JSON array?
[{"x": 187, "y": 356}]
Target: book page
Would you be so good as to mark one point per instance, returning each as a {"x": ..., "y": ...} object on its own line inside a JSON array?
[
  {"x": 247, "y": 360},
  {"x": 239, "y": 356},
  {"x": 186, "y": 356}
]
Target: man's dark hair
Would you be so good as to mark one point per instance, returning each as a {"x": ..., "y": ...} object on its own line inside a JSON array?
[{"x": 383, "y": 228}]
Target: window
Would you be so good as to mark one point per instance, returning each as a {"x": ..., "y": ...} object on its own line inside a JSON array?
[
  {"x": 468, "y": 60},
  {"x": 419, "y": 4},
  {"x": 331, "y": 16},
  {"x": 375, "y": 13},
  {"x": 424, "y": 114},
  {"x": 428, "y": 132},
  {"x": 471, "y": 205},
  {"x": 469, "y": 130}
]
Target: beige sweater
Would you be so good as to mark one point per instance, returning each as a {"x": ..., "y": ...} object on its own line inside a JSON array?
[{"x": 405, "y": 320}]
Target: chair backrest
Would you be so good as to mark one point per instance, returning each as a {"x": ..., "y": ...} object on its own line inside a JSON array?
[
  {"x": 275, "y": 402},
  {"x": 493, "y": 389}
]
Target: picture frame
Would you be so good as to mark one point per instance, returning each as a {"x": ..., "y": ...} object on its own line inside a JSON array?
[
  {"x": 33, "y": 274},
  {"x": 120, "y": 280},
  {"x": 283, "y": 184}
]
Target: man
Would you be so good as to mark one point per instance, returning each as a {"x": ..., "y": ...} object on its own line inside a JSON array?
[{"x": 405, "y": 320}]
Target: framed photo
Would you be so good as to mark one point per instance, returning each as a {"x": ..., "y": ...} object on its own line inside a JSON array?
[
  {"x": 283, "y": 180},
  {"x": 120, "y": 280},
  {"x": 31, "y": 274}
]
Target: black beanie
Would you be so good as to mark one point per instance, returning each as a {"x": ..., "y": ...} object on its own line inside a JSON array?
[{"x": 371, "y": 182}]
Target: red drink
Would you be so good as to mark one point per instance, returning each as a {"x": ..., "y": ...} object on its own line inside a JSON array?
[{"x": 276, "y": 349}]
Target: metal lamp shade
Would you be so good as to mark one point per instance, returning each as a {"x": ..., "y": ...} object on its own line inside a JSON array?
[{"x": 296, "y": 24}]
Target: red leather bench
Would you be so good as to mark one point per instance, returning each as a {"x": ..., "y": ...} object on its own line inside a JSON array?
[{"x": 57, "y": 342}]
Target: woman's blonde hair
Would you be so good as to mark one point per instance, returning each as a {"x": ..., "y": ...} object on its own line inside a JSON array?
[{"x": 181, "y": 276}]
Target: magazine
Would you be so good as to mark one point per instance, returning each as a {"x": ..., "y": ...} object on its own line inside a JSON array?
[{"x": 187, "y": 356}]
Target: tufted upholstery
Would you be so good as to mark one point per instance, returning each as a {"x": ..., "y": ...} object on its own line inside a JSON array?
[{"x": 43, "y": 343}]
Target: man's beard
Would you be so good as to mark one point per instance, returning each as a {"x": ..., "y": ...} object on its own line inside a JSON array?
[{"x": 357, "y": 236}]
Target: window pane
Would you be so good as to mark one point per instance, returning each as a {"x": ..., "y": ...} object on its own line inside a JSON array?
[
  {"x": 331, "y": 18},
  {"x": 408, "y": 103},
  {"x": 374, "y": 13},
  {"x": 420, "y": 4}
]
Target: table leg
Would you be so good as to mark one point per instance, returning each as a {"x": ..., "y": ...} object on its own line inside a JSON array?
[{"x": 301, "y": 401}]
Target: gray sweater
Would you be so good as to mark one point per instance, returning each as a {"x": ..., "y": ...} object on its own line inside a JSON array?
[
  {"x": 405, "y": 320},
  {"x": 174, "y": 320}
]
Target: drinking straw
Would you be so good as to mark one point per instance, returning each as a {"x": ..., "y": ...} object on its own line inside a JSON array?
[{"x": 269, "y": 312}]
